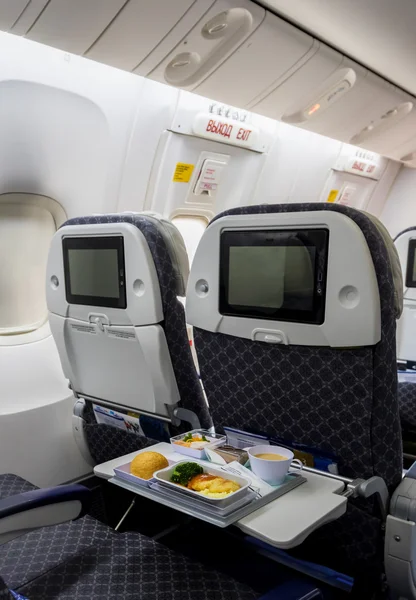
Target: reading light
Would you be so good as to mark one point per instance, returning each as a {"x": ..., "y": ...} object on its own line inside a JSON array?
[
  {"x": 331, "y": 91},
  {"x": 314, "y": 108}
]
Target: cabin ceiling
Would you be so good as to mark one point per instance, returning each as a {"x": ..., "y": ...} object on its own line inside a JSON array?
[{"x": 380, "y": 34}]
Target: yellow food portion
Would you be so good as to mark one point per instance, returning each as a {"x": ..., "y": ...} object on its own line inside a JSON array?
[
  {"x": 196, "y": 438},
  {"x": 212, "y": 486},
  {"x": 145, "y": 464}
]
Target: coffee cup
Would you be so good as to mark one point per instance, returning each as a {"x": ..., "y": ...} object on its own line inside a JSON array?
[{"x": 272, "y": 470}]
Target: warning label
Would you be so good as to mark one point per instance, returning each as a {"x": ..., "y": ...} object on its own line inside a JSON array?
[
  {"x": 332, "y": 196},
  {"x": 84, "y": 328},
  {"x": 121, "y": 334},
  {"x": 183, "y": 172}
]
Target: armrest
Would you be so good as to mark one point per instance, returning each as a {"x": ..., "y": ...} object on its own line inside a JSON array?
[
  {"x": 41, "y": 508},
  {"x": 400, "y": 542}
]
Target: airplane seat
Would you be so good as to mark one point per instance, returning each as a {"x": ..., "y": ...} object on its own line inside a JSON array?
[
  {"x": 10, "y": 485},
  {"x": 405, "y": 243},
  {"x": 84, "y": 559},
  {"x": 321, "y": 374},
  {"x": 154, "y": 375}
]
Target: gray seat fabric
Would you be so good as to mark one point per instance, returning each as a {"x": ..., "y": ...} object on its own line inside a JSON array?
[
  {"x": 407, "y": 404},
  {"x": 407, "y": 390},
  {"x": 104, "y": 444},
  {"x": 341, "y": 401},
  {"x": 29, "y": 556},
  {"x": 85, "y": 559},
  {"x": 11, "y": 485},
  {"x": 130, "y": 566}
]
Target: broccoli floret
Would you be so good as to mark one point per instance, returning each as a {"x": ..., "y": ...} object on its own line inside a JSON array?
[{"x": 184, "y": 472}]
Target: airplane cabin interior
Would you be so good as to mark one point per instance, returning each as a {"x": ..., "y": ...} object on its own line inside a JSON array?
[{"x": 207, "y": 300}]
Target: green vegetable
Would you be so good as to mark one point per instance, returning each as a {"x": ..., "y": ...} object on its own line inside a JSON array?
[
  {"x": 204, "y": 439},
  {"x": 184, "y": 472},
  {"x": 188, "y": 437}
]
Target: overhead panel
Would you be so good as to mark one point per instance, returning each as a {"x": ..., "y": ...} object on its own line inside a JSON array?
[
  {"x": 222, "y": 30},
  {"x": 363, "y": 104},
  {"x": 392, "y": 131},
  {"x": 10, "y": 10},
  {"x": 28, "y": 16},
  {"x": 292, "y": 94},
  {"x": 139, "y": 28},
  {"x": 269, "y": 53},
  {"x": 73, "y": 26}
]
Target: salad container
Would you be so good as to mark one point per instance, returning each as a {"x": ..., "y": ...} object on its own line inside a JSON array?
[{"x": 196, "y": 449}]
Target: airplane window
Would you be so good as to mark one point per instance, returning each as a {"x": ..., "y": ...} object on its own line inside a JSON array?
[
  {"x": 26, "y": 232},
  {"x": 191, "y": 229}
]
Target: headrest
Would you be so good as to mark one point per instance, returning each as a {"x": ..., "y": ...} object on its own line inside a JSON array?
[
  {"x": 176, "y": 248},
  {"x": 394, "y": 263},
  {"x": 288, "y": 274}
]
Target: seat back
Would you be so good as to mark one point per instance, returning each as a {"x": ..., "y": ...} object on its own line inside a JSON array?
[
  {"x": 405, "y": 243},
  {"x": 318, "y": 370},
  {"x": 113, "y": 283}
]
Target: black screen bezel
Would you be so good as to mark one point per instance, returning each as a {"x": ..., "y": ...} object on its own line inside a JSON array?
[
  {"x": 96, "y": 243},
  {"x": 410, "y": 282},
  {"x": 318, "y": 238}
]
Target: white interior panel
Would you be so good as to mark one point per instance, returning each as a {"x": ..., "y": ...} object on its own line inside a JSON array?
[
  {"x": 266, "y": 56},
  {"x": 399, "y": 212},
  {"x": 72, "y": 117},
  {"x": 73, "y": 26},
  {"x": 300, "y": 85},
  {"x": 54, "y": 162},
  {"x": 138, "y": 28},
  {"x": 220, "y": 32},
  {"x": 10, "y": 10},
  {"x": 297, "y": 167},
  {"x": 172, "y": 198}
]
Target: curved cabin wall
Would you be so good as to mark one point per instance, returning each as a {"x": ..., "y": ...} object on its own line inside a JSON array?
[{"x": 65, "y": 126}]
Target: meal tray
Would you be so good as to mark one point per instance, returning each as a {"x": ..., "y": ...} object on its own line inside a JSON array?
[{"x": 221, "y": 517}]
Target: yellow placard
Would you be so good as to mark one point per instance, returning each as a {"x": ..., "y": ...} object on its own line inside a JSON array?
[
  {"x": 183, "y": 172},
  {"x": 332, "y": 196}
]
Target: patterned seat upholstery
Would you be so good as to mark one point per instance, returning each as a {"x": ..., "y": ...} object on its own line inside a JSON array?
[
  {"x": 104, "y": 442},
  {"x": 11, "y": 485},
  {"x": 343, "y": 401},
  {"x": 407, "y": 404},
  {"x": 85, "y": 559},
  {"x": 132, "y": 567}
]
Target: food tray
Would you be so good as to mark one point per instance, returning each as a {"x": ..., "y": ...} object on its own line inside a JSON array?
[
  {"x": 214, "y": 439},
  {"x": 123, "y": 472},
  {"x": 210, "y": 513},
  {"x": 163, "y": 477}
]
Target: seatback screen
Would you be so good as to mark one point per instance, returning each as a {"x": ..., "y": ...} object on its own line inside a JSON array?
[
  {"x": 276, "y": 275},
  {"x": 411, "y": 265},
  {"x": 95, "y": 271}
]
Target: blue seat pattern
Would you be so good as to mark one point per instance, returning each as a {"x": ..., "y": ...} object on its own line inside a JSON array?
[
  {"x": 407, "y": 404},
  {"x": 85, "y": 559},
  {"x": 132, "y": 567}
]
